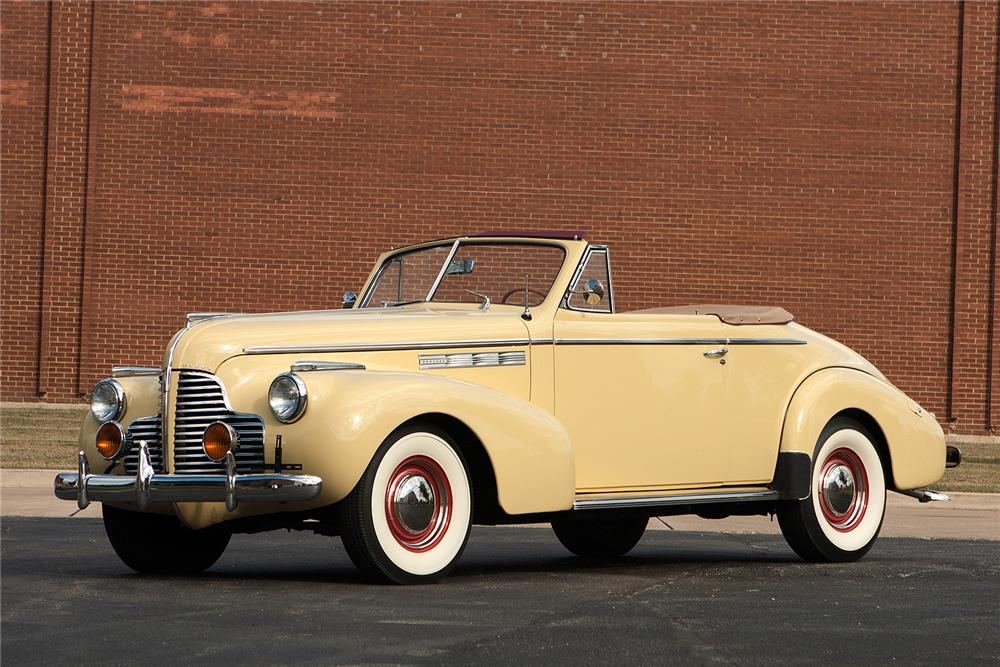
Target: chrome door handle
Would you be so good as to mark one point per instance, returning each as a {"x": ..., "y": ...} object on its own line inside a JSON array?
[{"x": 718, "y": 352}]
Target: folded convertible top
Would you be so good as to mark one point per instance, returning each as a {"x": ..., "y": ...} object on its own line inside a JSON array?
[{"x": 729, "y": 314}]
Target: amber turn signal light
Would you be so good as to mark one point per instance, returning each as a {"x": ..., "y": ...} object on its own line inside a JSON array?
[
  {"x": 219, "y": 438},
  {"x": 110, "y": 440}
]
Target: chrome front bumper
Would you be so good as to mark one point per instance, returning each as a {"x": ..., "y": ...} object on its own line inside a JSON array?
[{"x": 148, "y": 487}]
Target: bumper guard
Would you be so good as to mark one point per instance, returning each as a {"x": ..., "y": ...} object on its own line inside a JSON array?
[{"x": 148, "y": 487}]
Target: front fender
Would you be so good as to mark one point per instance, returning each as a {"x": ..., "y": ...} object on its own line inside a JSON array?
[
  {"x": 351, "y": 412},
  {"x": 914, "y": 438}
]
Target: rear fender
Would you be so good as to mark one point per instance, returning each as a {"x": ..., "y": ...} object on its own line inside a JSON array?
[{"x": 913, "y": 439}]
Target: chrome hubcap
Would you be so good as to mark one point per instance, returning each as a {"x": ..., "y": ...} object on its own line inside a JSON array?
[
  {"x": 413, "y": 503},
  {"x": 843, "y": 489},
  {"x": 418, "y": 503},
  {"x": 839, "y": 489}
]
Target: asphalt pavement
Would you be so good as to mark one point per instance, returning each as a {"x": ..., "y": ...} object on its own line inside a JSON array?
[{"x": 516, "y": 597}]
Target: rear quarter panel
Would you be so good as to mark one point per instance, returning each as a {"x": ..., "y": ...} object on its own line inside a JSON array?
[{"x": 914, "y": 439}]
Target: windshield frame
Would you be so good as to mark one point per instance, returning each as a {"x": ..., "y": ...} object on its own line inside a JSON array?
[{"x": 454, "y": 246}]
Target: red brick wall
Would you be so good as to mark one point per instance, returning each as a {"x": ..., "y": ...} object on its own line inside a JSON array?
[
  {"x": 837, "y": 159},
  {"x": 24, "y": 67}
]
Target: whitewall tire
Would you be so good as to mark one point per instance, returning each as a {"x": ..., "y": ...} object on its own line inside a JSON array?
[
  {"x": 408, "y": 519},
  {"x": 843, "y": 514}
]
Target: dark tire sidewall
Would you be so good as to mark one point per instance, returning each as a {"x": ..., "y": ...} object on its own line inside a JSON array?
[{"x": 160, "y": 544}]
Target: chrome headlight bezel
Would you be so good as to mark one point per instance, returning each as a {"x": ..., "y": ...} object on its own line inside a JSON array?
[
  {"x": 294, "y": 390},
  {"x": 107, "y": 400}
]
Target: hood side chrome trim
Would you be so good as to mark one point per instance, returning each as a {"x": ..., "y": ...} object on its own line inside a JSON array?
[
  {"x": 133, "y": 371},
  {"x": 381, "y": 347},
  {"x": 309, "y": 366}
]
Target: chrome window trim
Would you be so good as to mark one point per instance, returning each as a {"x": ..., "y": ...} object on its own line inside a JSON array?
[
  {"x": 461, "y": 240},
  {"x": 444, "y": 268},
  {"x": 576, "y": 276},
  {"x": 367, "y": 296},
  {"x": 198, "y": 317},
  {"x": 679, "y": 499},
  {"x": 310, "y": 366},
  {"x": 133, "y": 371}
]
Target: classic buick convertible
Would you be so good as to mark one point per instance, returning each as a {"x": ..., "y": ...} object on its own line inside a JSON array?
[{"x": 489, "y": 379}]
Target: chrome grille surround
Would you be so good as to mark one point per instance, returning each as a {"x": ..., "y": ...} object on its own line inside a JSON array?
[
  {"x": 202, "y": 401},
  {"x": 148, "y": 429}
]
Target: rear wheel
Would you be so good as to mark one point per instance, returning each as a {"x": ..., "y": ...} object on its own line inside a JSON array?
[
  {"x": 161, "y": 544},
  {"x": 841, "y": 518},
  {"x": 600, "y": 538},
  {"x": 408, "y": 519}
]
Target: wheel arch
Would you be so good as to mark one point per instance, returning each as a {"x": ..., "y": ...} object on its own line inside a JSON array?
[
  {"x": 875, "y": 430},
  {"x": 909, "y": 440},
  {"x": 482, "y": 476}
]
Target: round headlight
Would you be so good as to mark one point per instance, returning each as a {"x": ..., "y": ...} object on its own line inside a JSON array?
[
  {"x": 107, "y": 401},
  {"x": 287, "y": 397}
]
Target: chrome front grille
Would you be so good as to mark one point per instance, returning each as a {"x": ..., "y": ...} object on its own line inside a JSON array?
[
  {"x": 148, "y": 429},
  {"x": 201, "y": 401}
]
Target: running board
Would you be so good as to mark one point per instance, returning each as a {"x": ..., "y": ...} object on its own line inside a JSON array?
[{"x": 665, "y": 501}]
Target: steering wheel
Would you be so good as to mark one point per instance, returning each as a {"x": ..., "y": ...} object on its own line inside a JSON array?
[{"x": 520, "y": 290}]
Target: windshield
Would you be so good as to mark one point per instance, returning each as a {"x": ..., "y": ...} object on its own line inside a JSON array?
[{"x": 499, "y": 271}]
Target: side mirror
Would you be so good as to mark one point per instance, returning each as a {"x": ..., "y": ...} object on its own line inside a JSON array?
[
  {"x": 594, "y": 292},
  {"x": 350, "y": 298}
]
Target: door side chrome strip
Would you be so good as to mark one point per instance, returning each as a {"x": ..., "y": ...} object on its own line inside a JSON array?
[
  {"x": 381, "y": 347},
  {"x": 679, "y": 341},
  {"x": 766, "y": 341},
  {"x": 640, "y": 341},
  {"x": 665, "y": 501}
]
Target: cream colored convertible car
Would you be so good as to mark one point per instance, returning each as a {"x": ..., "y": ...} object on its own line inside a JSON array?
[{"x": 489, "y": 379}]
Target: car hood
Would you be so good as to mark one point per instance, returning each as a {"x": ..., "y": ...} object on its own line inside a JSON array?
[{"x": 206, "y": 344}]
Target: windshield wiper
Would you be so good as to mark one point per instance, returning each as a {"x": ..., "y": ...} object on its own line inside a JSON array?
[
  {"x": 486, "y": 300},
  {"x": 396, "y": 304}
]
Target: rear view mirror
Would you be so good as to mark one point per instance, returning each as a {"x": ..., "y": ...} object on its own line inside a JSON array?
[
  {"x": 594, "y": 292},
  {"x": 460, "y": 267}
]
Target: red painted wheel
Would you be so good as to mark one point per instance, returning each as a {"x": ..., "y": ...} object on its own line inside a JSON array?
[
  {"x": 842, "y": 487},
  {"x": 418, "y": 503}
]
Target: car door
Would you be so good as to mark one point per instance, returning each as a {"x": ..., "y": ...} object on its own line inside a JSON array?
[{"x": 643, "y": 404}]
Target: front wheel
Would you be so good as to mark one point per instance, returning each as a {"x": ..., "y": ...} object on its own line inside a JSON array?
[
  {"x": 842, "y": 516},
  {"x": 408, "y": 519},
  {"x": 161, "y": 544},
  {"x": 600, "y": 538}
]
